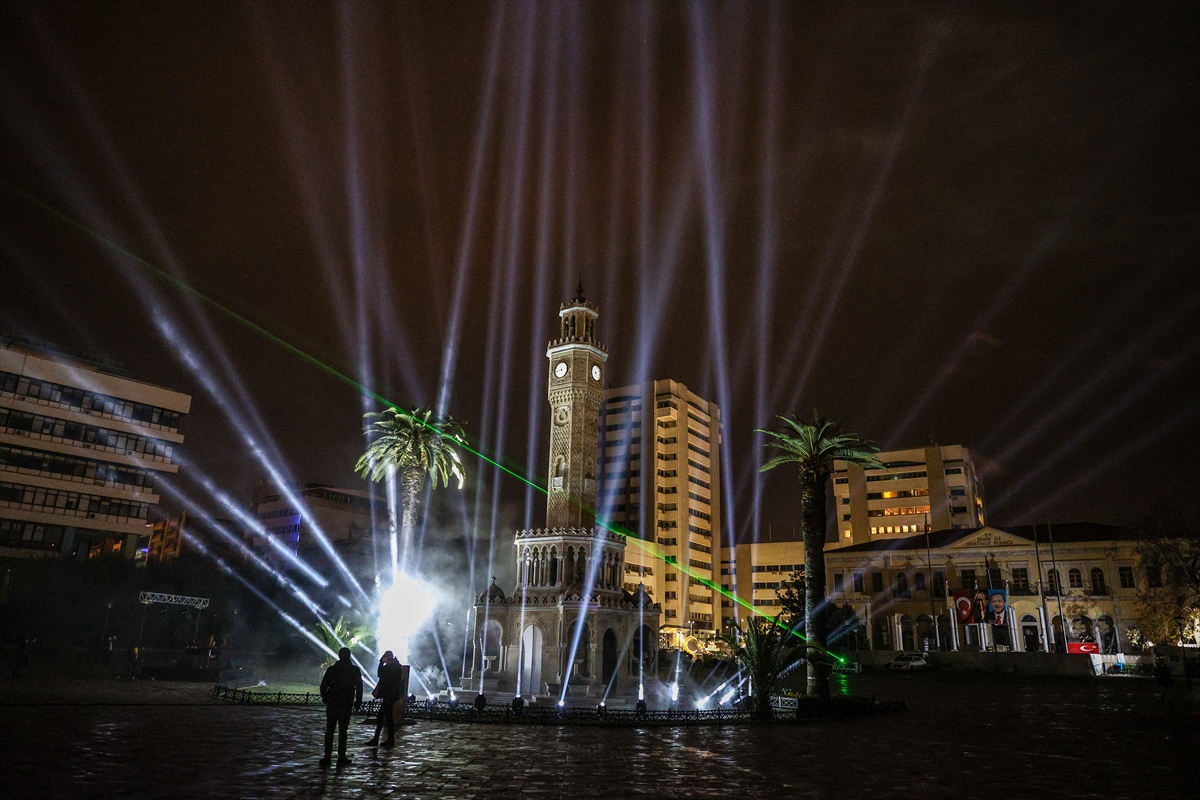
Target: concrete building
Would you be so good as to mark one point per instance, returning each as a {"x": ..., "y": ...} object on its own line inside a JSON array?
[
  {"x": 346, "y": 517},
  {"x": 755, "y": 572},
  {"x": 1067, "y": 587},
  {"x": 81, "y": 449},
  {"x": 569, "y": 630},
  {"x": 936, "y": 486},
  {"x": 661, "y": 481}
]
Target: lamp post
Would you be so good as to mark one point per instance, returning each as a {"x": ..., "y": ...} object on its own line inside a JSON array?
[{"x": 1187, "y": 678}]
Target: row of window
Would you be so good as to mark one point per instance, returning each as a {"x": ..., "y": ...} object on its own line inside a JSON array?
[
  {"x": 706, "y": 517},
  {"x": 698, "y": 482},
  {"x": 994, "y": 580},
  {"x": 778, "y": 568},
  {"x": 898, "y": 512},
  {"x": 703, "y": 548},
  {"x": 700, "y": 531},
  {"x": 89, "y": 402},
  {"x": 70, "y": 468},
  {"x": 897, "y": 494},
  {"x": 697, "y": 465},
  {"x": 698, "y": 449},
  {"x": 43, "y": 426},
  {"x": 36, "y": 498}
]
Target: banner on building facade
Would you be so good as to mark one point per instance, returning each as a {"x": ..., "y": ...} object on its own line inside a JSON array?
[
  {"x": 1083, "y": 647},
  {"x": 966, "y": 609},
  {"x": 997, "y": 607}
]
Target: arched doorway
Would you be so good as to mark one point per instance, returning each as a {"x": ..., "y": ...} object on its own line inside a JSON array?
[
  {"x": 907, "y": 641},
  {"x": 490, "y": 639},
  {"x": 608, "y": 661},
  {"x": 1029, "y": 634},
  {"x": 642, "y": 652},
  {"x": 926, "y": 638},
  {"x": 530, "y": 674}
]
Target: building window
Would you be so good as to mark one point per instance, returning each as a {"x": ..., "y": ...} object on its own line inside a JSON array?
[
  {"x": 1075, "y": 579},
  {"x": 919, "y": 581},
  {"x": 939, "y": 584},
  {"x": 839, "y": 583},
  {"x": 1154, "y": 577},
  {"x": 968, "y": 578},
  {"x": 902, "y": 585},
  {"x": 877, "y": 582},
  {"x": 1020, "y": 579},
  {"x": 995, "y": 579},
  {"x": 845, "y": 501},
  {"x": 858, "y": 582},
  {"x": 1125, "y": 576},
  {"x": 845, "y": 517},
  {"x": 1052, "y": 582},
  {"x": 1098, "y": 585},
  {"x": 670, "y": 595}
]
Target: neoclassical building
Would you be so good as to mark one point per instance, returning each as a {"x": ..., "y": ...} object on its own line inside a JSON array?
[{"x": 569, "y": 630}]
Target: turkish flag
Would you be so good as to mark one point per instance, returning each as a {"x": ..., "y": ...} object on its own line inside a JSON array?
[
  {"x": 1083, "y": 647},
  {"x": 964, "y": 606}
]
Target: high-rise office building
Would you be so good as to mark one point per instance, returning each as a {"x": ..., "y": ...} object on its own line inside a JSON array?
[
  {"x": 661, "y": 479},
  {"x": 81, "y": 449},
  {"x": 936, "y": 485}
]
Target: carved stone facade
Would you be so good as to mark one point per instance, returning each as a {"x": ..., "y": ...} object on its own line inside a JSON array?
[{"x": 569, "y": 631}]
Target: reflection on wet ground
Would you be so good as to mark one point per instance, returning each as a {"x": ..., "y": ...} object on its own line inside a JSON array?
[{"x": 964, "y": 736}]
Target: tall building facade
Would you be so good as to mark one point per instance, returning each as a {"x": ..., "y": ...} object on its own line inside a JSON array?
[
  {"x": 81, "y": 449},
  {"x": 569, "y": 631},
  {"x": 936, "y": 486},
  {"x": 661, "y": 473}
]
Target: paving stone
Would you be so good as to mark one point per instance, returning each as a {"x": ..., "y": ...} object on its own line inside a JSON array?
[{"x": 963, "y": 736}]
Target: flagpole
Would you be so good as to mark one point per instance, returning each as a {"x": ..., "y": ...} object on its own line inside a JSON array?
[
  {"x": 1062, "y": 620},
  {"x": 937, "y": 636}
]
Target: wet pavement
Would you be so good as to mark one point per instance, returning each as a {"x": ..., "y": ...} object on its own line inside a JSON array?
[{"x": 963, "y": 736}]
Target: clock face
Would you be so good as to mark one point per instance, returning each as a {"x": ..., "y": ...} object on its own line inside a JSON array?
[
  {"x": 560, "y": 369},
  {"x": 595, "y": 372}
]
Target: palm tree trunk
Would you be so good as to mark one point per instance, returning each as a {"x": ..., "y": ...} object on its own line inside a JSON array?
[
  {"x": 812, "y": 510},
  {"x": 410, "y": 494}
]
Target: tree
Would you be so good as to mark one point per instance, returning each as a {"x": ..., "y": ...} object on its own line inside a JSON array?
[
  {"x": 764, "y": 650},
  {"x": 343, "y": 633},
  {"x": 1169, "y": 550},
  {"x": 410, "y": 446},
  {"x": 813, "y": 449}
]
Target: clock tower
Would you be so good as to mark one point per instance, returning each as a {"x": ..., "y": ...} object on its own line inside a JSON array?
[{"x": 575, "y": 390}]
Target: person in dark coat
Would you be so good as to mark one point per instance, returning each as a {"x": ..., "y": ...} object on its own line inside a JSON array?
[
  {"x": 341, "y": 690},
  {"x": 391, "y": 675},
  {"x": 1164, "y": 678}
]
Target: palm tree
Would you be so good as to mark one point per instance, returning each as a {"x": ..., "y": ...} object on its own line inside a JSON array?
[
  {"x": 764, "y": 650},
  {"x": 411, "y": 446},
  {"x": 814, "y": 448}
]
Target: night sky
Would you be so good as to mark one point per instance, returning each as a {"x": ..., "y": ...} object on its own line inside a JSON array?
[{"x": 964, "y": 223}]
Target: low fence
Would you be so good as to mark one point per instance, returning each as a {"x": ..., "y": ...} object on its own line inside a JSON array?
[{"x": 786, "y": 709}]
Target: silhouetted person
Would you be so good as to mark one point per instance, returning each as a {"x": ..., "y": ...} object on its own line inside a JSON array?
[
  {"x": 391, "y": 675},
  {"x": 1164, "y": 678},
  {"x": 480, "y": 702},
  {"x": 106, "y": 659},
  {"x": 22, "y": 657},
  {"x": 341, "y": 689}
]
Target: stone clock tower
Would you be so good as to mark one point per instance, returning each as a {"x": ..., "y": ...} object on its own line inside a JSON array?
[
  {"x": 572, "y": 631},
  {"x": 575, "y": 392}
]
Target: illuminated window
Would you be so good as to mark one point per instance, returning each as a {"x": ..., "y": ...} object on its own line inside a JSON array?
[{"x": 847, "y": 533}]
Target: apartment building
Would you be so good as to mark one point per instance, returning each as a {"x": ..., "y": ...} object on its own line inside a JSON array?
[
  {"x": 661, "y": 481},
  {"x": 755, "y": 572},
  {"x": 81, "y": 450},
  {"x": 346, "y": 517},
  {"x": 935, "y": 486}
]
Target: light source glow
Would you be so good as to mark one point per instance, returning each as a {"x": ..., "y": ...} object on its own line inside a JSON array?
[{"x": 404, "y": 607}]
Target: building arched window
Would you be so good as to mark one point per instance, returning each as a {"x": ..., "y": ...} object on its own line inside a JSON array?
[
  {"x": 1098, "y": 586},
  {"x": 919, "y": 582},
  {"x": 1052, "y": 582},
  {"x": 901, "y": 585},
  {"x": 1075, "y": 579}
]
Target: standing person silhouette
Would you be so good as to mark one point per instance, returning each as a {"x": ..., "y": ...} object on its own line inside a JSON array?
[
  {"x": 391, "y": 675},
  {"x": 341, "y": 689}
]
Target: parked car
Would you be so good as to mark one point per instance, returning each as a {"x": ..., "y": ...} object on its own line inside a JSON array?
[{"x": 908, "y": 661}]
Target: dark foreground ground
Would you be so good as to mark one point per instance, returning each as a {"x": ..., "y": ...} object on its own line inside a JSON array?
[{"x": 963, "y": 736}]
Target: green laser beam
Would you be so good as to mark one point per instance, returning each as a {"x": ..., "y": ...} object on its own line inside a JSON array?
[{"x": 349, "y": 381}]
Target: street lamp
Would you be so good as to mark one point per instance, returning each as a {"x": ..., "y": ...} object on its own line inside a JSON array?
[{"x": 1187, "y": 678}]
